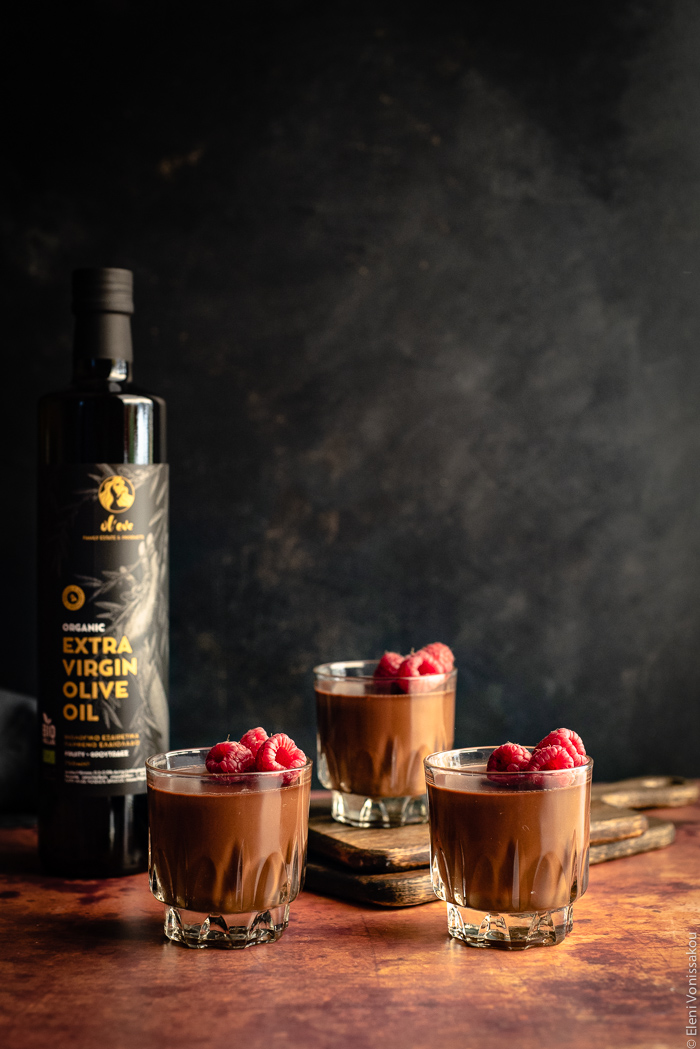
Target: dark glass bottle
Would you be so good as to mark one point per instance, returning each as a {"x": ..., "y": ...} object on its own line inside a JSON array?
[{"x": 103, "y": 646}]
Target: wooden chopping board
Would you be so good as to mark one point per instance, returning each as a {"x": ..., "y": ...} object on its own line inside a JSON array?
[
  {"x": 391, "y": 867},
  {"x": 648, "y": 792}
]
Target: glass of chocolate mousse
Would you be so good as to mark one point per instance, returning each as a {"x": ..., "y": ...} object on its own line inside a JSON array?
[
  {"x": 227, "y": 852},
  {"x": 508, "y": 850},
  {"x": 373, "y": 736}
]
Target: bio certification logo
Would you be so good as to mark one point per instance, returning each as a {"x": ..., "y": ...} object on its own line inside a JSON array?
[
  {"x": 116, "y": 494},
  {"x": 73, "y": 597}
]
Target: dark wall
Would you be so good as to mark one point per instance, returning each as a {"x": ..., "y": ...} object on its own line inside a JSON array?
[{"x": 419, "y": 282}]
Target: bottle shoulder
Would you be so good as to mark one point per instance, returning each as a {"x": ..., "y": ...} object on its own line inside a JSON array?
[
  {"x": 128, "y": 393},
  {"x": 89, "y": 423}
]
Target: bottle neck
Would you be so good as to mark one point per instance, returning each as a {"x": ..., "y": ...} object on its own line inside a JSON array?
[{"x": 102, "y": 349}]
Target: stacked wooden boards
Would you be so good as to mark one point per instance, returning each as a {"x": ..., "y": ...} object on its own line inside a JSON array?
[{"x": 391, "y": 867}]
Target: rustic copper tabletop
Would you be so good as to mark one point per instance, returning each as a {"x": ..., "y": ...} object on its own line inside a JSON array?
[{"x": 85, "y": 965}]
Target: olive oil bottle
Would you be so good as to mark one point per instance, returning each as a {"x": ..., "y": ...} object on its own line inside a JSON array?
[{"x": 103, "y": 594}]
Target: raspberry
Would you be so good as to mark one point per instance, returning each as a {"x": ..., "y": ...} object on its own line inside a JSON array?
[
  {"x": 229, "y": 757},
  {"x": 278, "y": 753},
  {"x": 410, "y": 666},
  {"x": 442, "y": 655},
  {"x": 254, "y": 739},
  {"x": 416, "y": 666},
  {"x": 569, "y": 740},
  {"x": 388, "y": 665},
  {"x": 509, "y": 758},
  {"x": 549, "y": 758},
  {"x": 429, "y": 664}
]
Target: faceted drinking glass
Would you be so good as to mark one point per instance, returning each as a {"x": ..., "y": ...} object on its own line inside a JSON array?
[
  {"x": 373, "y": 737},
  {"x": 508, "y": 850},
  {"x": 227, "y": 852}
]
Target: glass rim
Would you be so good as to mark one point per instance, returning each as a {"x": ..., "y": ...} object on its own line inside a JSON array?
[
  {"x": 469, "y": 770},
  {"x": 328, "y": 670},
  {"x": 206, "y": 774}
]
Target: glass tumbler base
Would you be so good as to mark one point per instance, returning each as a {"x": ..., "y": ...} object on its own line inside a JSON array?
[
  {"x": 359, "y": 811},
  {"x": 509, "y": 932},
  {"x": 228, "y": 931}
]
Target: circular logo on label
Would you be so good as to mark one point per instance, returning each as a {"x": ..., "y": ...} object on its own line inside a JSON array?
[
  {"x": 116, "y": 494},
  {"x": 73, "y": 598}
]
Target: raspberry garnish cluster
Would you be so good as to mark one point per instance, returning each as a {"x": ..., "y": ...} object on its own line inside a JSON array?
[
  {"x": 256, "y": 752},
  {"x": 561, "y": 749},
  {"x": 406, "y": 671}
]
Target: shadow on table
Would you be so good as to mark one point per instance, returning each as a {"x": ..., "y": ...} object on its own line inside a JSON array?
[
  {"x": 105, "y": 930},
  {"x": 66, "y": 932}
]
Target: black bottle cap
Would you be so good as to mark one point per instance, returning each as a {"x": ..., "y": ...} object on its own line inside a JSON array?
[{"x": 106, "y": 290}]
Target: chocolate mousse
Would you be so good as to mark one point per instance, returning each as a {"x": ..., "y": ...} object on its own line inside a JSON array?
[
  {"x": 372, "y": 743},
  {"x": 510, "y": 850},
  {"x": 228, "y": 847}
]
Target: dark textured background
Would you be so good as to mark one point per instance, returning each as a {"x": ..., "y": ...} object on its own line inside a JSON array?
[{"x": 419, "y": 282}]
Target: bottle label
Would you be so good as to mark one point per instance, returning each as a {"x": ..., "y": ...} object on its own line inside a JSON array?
[{"x": 103, "y": 624}]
